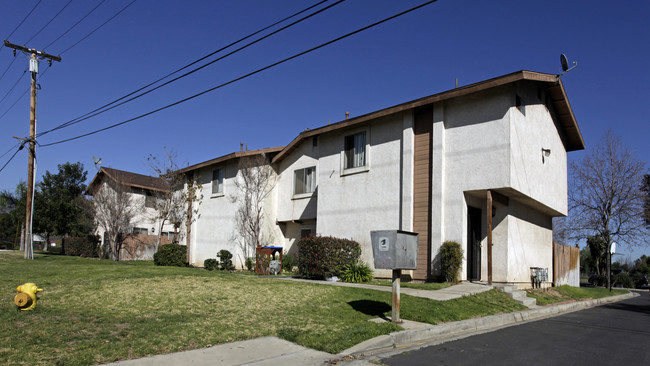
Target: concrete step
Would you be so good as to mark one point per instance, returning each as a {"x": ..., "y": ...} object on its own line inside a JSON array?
[{"x": 518, "y": 295}]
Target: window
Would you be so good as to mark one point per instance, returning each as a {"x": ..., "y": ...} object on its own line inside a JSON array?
[
  {"x": 304, "y": 180},
  {"x": 217, "y": 182},
  {"x": 355, "y": 150},
  {"x": 149, "y": 200},
  {"x": 140, "y": 230},
  {"x": 304, "y": 233}
]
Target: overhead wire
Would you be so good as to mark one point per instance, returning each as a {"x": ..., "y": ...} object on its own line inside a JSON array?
[
  {"x": 22, "y": 95},
  {"x": 48, "y": 23},
  {"x": 10, "y": 159},
  {"x": 105, "y": 108},
  {"x": 13, "y": 87},
  {"x": 75, "y": 24},
  {"x": 8, "y": 66},
  {"x": 100, "y": 26},
  {"x": 246, "y": 75},
  {"x": 21, "y": 22}
]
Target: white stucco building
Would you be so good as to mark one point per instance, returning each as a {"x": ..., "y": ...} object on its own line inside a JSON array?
[
  {"x": 484, "y": 165},
  {"x": 140, "y": 244}
]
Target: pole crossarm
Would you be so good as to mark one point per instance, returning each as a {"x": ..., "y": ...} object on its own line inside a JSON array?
[{"x": 32, "y": 51}]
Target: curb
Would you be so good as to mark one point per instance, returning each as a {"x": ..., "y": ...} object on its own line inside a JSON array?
[{"x": 446, "y": 331}]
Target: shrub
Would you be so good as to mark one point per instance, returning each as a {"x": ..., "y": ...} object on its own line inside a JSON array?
[
  {"x": 250, "y": 263},
  {"x": 598, "y": 280},
  {"x": 451, "y": 258},
  {"x": 356, "y": 273},
  {"x": 83, "y": 246},
  {"x": 171, "y": 255},
  {"x": 225, "y": 257},
  {"x": 320, "y": 256},
  {"x": 623, "y": 280},
  {"x": 288, "y": 262},
  {"x": 211, "y": 264}
]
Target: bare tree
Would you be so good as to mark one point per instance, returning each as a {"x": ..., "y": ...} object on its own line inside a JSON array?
[
  {"x": 605, "y": 197},
  {"x": 254, "y": 183},
  {"x": 173, "y": 205},
  {"x": 114, "y": 211}
]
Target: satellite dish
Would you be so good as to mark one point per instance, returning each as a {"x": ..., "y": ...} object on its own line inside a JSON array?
[
  {"x": 564, "y": 62},
  {"x": 98, "y": 161}
]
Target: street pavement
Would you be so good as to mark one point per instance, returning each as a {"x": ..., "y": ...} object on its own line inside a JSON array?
[
  {"x": 613, "y": 334},
  {"x": 275, "y": 351}
]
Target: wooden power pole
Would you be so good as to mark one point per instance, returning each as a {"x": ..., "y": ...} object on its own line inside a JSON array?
[{"x": 34, "y": 56}]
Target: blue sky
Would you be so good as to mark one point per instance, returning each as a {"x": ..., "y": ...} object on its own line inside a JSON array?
[{"x": 416, "y": 55}]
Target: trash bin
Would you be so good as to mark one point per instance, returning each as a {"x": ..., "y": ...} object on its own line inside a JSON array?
[{"x": 394, "y": 249}]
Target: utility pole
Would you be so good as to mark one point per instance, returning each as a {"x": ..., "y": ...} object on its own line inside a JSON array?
[{"x": 35, "y": 55}]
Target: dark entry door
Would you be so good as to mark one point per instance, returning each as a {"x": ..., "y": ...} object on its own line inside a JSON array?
[{"x": 474, "y": 243}]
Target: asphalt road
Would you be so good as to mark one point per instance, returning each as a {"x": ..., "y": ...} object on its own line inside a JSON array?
[{"x": 613, "y": 334}]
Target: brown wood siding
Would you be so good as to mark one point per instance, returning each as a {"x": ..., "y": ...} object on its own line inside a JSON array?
[{"x": 423, "y": 127}]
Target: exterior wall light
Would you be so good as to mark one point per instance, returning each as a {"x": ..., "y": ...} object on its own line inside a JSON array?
[{"x": 545, "y": 153}]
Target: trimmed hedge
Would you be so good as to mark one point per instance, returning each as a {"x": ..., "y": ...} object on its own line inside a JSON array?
[
  {"x": 451, "y": 258},
  {"x": 82, "y": 246},
  {"x": 211, "y": 264},
  {"x": 171, "y": 255},
  {"x": 225, "y": 258},
  {"x": 325, "y": 256}
]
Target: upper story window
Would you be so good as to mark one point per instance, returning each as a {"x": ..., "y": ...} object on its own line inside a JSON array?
[
  {"x": 217, "y": 182},
  {"x": 355, "y": 150},
  {"x": 304, "y": 180}
]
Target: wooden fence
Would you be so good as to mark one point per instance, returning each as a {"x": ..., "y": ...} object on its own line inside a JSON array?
[{"x": 566, "y": 265}]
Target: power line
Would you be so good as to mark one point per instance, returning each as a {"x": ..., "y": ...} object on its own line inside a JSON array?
[
  {"x": 22, "y": 95},
  {"x": 14, "y": 86},
  {"x": 246, "y": 75},
  {"x": 104, "y": 108},
  {"x": 7, "y": 69},
  {"x": 48, "y": 23},
  {"x": 22, "y": 21},
  {"x": 10, "y": 159},
  {"x": 75, "y": 24},
  {"x": 101, "y": 25}
]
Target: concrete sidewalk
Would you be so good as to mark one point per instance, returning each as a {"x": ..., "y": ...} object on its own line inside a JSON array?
[
  {"x": 452, "y": 292},
  {"x": 275, "y": 351}
]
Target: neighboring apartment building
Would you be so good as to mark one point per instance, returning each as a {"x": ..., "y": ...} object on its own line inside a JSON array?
[{"x": 140, "y": 243}]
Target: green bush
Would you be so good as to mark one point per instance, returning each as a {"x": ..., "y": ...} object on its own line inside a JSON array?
[
  {"x": 171, "y": 255},
  {"x": 320, "y": 257},
  {"x": 623, "y": 280},
  {"x": 356, "y": 273},
  {"x": 82, "y": 246},
  {"x": 250, "y": 263},
  {"x": 225, "y": 258},
  {"x": 451, "y": 259},
  {"x": 211, "y": 264},
  {"x": 288, "y": 262}
]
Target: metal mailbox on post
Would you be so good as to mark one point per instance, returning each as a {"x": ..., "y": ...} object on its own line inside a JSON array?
[{"x": 396, "y": 250}]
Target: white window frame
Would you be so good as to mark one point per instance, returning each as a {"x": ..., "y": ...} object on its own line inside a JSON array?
[
  {"x": 361, "y": 168},
  {"x": 314, "y": 182},
  {"x": 220, "y": 183}
]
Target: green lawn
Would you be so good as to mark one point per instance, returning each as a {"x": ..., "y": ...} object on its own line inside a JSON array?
[
  {"x": 567, "y": 293},
  {"x": 96, "y": 311},
  {"x": 414, "y": 285}
]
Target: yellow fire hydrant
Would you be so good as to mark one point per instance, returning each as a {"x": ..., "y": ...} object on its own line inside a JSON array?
[{"x": 26, "y": 299}]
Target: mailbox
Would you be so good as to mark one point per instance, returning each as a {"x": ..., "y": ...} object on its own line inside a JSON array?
[{"x": 394, "y": 249}]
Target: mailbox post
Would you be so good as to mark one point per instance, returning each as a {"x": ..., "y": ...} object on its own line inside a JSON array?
[{"x": 395, "y": 250}]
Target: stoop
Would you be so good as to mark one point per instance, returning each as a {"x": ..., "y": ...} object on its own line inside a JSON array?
[{"x": 518, "y": 295}]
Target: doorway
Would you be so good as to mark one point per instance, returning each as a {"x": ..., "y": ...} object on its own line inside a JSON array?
[{"x": 474, "y": 216}]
